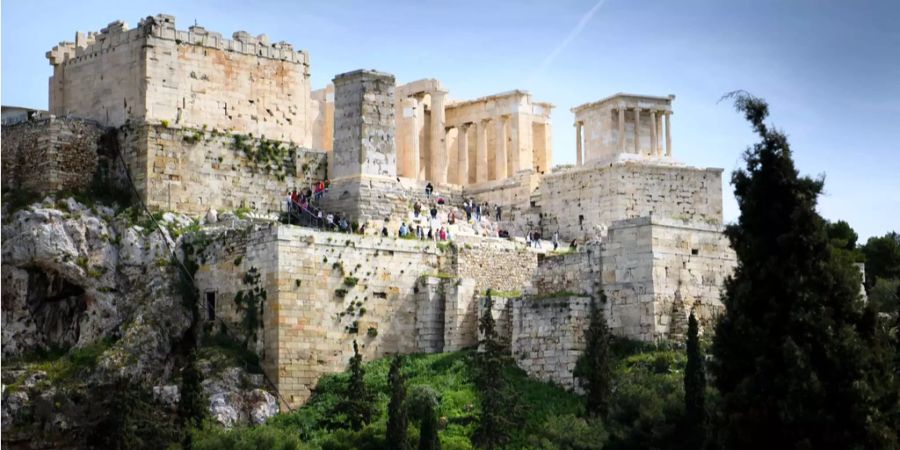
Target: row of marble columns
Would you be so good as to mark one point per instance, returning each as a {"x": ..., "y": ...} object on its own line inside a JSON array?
[
  {"x": 500, "y": 150},
  {"x": 656, "y": 119}
]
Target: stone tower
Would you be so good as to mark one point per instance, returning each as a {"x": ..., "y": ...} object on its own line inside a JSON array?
[
  {"x": 364, "y": 125},
  {"x": 364, "y": 183}
]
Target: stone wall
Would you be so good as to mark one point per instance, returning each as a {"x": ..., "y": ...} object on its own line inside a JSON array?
[
  {"x": 155, "y": 73},
  {"x": 323, "y": 291},
  {"x": 581, "y": 202},
  {"x": 191, "y": 170},
  {"x": 364, "y": 125},
  {"x": 495, "y": 263},
  {"x": 575, "y": 272},
  {"x": 460, "y": 314},
  {"x": 229, "y": 264},
  {"x": 50, "y": 155},
  {"x": 548, "y": 336},
  {"x": 656, "y": 270},
  {"x": 502, "y": 312}
]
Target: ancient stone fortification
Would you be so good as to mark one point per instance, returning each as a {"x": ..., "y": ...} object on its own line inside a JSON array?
[
  {"x": 323, "y": 290},
  {"x": 194, "y": 169},
  {"x": 204, "y": 123},
  {"x": 50, "y": 155},
  {"x": 158, "y": 74}
]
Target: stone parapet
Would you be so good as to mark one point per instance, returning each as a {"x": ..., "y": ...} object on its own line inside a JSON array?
[{"x": 162, "y": 26}]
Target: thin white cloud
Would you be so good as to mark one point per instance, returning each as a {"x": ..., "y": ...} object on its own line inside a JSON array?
[{"x": 565, "y": 43}]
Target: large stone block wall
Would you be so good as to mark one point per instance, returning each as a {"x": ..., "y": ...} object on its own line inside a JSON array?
[
  {"x": 50, "y": 155},
  {"x": 156, "y": 73},
  {"x": 191, "y": 170},
  {"x": 655, "y": 270},
  {"x": 323, "y": 291},
  {"x": 495, "y": 263},
  {"x": 102, "y": 79},
  {"x": 627, "y": 279},
  {"x": 430, "y": 313},
  {"x": 581, "y": 202},
  {"x": 225, "y": 260},
  {"x": 460, "y": 314},
  {"x": 364, "y": 125},
  {"x": 548, "y": 336},
  {"x": 691, "y": 262},
  {"x": 575, "y": 272}
]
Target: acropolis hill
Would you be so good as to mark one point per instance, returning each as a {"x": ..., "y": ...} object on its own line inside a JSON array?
[{"x": 202, "y": 125}]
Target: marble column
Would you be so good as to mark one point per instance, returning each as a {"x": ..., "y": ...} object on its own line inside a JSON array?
[
  {"x": 658, "y": 150},
  {"x": 637, "y": 131},
  {"x": 668, "y": 135},
  {"x": 500, "y": 148},
  {"x": 621, "y": 130},
  {"x": 521, "y": 147},
  {"x": 481, "y": 152},
  {"x": 578, "y": 158},
  {"x": 653, "y": 137},
  {"x": 462, "y": 157},
  {"x": 438, "y": 150}
]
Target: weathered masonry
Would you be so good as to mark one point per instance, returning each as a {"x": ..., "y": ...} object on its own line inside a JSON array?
[
  {"x": 196, "y": 78},
  {"x": 323, "y": 290}
]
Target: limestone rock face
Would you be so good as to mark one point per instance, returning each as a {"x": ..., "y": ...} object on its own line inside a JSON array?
[
  {"x": 235, "y": 396},
  {"x": 73, "y": 276},
  {"x": 83, "y": 279}
]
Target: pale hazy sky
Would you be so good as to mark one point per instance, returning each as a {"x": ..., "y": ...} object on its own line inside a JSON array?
[{"x": 829, "y": 69}]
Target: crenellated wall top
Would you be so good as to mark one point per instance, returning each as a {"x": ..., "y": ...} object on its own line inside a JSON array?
[{"x": 162, "y": 26}]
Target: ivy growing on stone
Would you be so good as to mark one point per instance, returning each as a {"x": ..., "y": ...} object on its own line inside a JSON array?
[{"x": 250, "y": 302}]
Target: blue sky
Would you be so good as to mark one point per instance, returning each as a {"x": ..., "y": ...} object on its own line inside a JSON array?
[{"x": 829, "y": 69}]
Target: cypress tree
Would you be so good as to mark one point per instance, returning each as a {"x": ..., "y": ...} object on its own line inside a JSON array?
[
  {"x": 424, "y": 402},
  {"x": 397, "y": 417},
  {"x": 594, "y": 367},
  {"x": 694, "y": 389},
  {"x": 428, "y": 430},
  {"x": 499, "y": 407},
  {"x": 191, "y": 401},
  {"x": 358, "y": 403},
  {"x": 791, "y": 363}
]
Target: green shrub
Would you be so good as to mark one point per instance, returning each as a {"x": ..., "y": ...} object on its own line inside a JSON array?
[
  {"x": 569, "y": 432},
  {"x": 262, "y": 437}
]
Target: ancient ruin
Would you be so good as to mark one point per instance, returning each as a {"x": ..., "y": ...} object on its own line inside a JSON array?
[{"x": 202, "y": 124}]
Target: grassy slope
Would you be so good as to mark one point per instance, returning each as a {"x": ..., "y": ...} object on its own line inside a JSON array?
[
  {"x": 450, "y": 374},
  {"x": 645, "y": 407}
]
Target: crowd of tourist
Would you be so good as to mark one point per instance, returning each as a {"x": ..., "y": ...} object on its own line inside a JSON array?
[{"x": 304, "y": 207}]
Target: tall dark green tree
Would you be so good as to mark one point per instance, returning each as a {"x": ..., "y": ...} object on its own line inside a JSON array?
[
  {"x": 397, "y": 418},
  {"x": 694, "y": 389},
  {"x": 594, "y": 367},
  {"x": 882, "y": 258},
  {"x": 791, "y": 364},
  {"x": 841, "y": 235},
  {"x": 358, "y": 403},
  {"x": 191, "y": 402},
  {"x": 499, "y": 406},
  {"x": 424, "y": 403}
]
